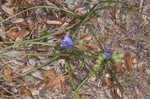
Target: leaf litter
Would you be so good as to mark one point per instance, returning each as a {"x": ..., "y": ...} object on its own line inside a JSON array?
[{"x": 25, "y": 28}]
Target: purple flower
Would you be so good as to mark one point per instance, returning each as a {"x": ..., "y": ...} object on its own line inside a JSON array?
[
  {"x": 107, "y": 53},
  {"x": 66, "y": 42}
]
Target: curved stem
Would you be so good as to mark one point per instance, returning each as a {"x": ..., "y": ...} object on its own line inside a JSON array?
[{"x": 54, "y": 7}]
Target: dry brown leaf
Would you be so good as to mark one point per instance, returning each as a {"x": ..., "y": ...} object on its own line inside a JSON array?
[
  {"x": 8, "y": 10},
  {"x": 81, "y": 46},
  {"x": 59, "y": 97},
  {"x": 128, "y": 60},
  {"x": 63, "y": 87},
  {"x": 23, "y": 69},
  {"x": 52, "y": 83},
  {"x": 16, "y": 34},
  {"x": 22, "y": 35},
  {"x": 3, "y": 94},
  {"x": 7, "y": 72},
  {"x": 128, "y": 41},
  {"x": 117, "y": 66},
  {"x": 84, "y": 96},
  {"x": 17, "y": 20},
  {"x": 27, "y": 92},
  {"x": 86, "y": 37},
  {"x": 134, "y": 7},
  {"x": 55, "y": 81},
  {"x": 61, "y": 19},
  {"x": 102, "y": 39},
  {"x": 121, "y": 25},
  {"x": 54, "y": 22},
  {"x": 53, "y": 1},
  {"x": 48, "y": 73},
  {"x": 113, "y": 15},
  {"x": 31, "y": 24},
  {"x": 92, "y": 45},
  {"x": 141, "y": 68},
  {"x": 3, "y": 33},
  {"x": 12, "y": 33}
]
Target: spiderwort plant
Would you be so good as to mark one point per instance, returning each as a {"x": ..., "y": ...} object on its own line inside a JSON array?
[{"x": 67, "y": 41}]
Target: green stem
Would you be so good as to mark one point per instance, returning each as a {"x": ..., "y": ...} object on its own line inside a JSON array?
[
  {"x": 54, "y": 7},
  {"x": 89, "y": 76},
  {"x": 31, "y": 70},
  {"x": 35, "y": 67},
  {"x": 72, "y": 80},
  {"x": 100, "y": 46},
  {"x": 118, "y": 84}
]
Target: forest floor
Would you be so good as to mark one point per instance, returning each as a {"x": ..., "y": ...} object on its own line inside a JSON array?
[{"x": 34, "y": 64}]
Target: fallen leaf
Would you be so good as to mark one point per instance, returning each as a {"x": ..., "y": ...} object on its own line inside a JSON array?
[
  {"x": 117, "y": 66},
  {"x": 54, "y": 22},
  {"x": 23, "y": 69},
  {"x": 115, "y": 93},
  {"x": 141, "y": 68},
  {"x": 84, "y": 96},
  {"x": 102, "y": 39},
  {"x": 121, "y": 25},
  {"x": 31, "y": 24},
  {"x": 86, "y": 37},
  {"x": 17, "y": 20},
  {"x": 55, "y": 81},
  {"x": 7, "y": 72},
  {"x": 59, "y": 97},
  {"x": 90, "y": 45},
  {"x": 16, "y": 34},
  {"x": 27, "y": 92},
  {"x": 81, "y": 46},
  {"x": 12, "y": 33},
  {"x": 134, "y": 7},
  {"x": 48, "y": 73},
  {"x": 128, "y": 60},
  {"x": 52, "y": 83},
  {"x": 61, "y": 19},
  {"x": 3, "y": 94},
  {"x": 113, "y": 15},
  {"x": 53, "y": 1},
  {"x": 127, "y": 42},
  {"x": 63, "y": 87},
  {"x": 8, "y": 10},
  {"x": 22, "y": 35},
  {"x": 2, "y": 33}
]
